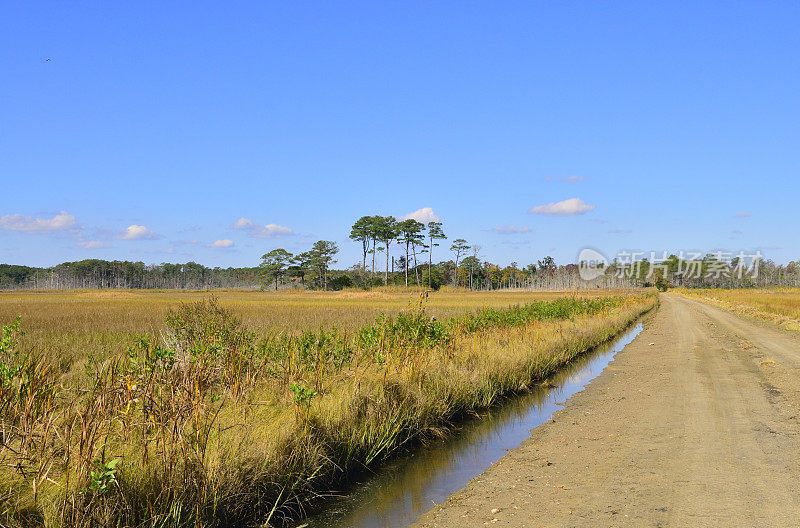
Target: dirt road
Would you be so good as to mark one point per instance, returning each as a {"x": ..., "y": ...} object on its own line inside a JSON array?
[{"x": 696, "y": 423}]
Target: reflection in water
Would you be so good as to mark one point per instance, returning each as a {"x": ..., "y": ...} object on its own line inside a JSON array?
[{"x": 400, "y": 491}]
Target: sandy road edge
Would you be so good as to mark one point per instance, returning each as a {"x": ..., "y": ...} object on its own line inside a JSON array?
[
  {"x": 431, "y": 518},
  {"x": 690, "y": 425}
]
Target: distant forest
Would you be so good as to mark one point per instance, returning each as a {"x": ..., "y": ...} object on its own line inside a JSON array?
[
  {"x": 94, "y": 273},
  {"x": 412, "y": 265},
  {"x": 103, "y": 274},
  {"x": 545, "y": 274}
]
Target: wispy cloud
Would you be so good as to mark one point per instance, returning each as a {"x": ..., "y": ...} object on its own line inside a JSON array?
[
  {"x": 743, "y": 215},
  {"x": 423, "y": 215},
  {"x": 568, "y": 179},
  {"x": 262, "y": 231},
  {"x": 573, "y": 206},
  {"x": 138, "y": 232},
  {"x": 93, "y": 244},
  {"x": 619, "y": 231},
  {"x": 511, "y": 230},
  {"x": 572, "y": 179},
  {"x": 225, "y": 243},
  {"x": 61, "y": 222},
  {"x": 735, "y": 234}
]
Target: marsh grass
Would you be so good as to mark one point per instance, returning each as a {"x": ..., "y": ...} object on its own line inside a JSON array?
[
  {"x": 208, "y": 422},
  {"x": 107, "y": 320},
  {"x": 777, "y": 305}
]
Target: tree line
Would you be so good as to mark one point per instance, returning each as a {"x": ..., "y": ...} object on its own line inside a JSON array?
[
  {"x": 707, "y": 271},
  {"x": 376, "y": 234},
  {"x": 279, "y": 263},
  {"x": 101, "y": 274},
  {"x": 378, "y": 237},
  {"x": 416, "y": 241}
]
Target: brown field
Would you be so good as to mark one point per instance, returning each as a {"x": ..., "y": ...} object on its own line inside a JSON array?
[
  {"x": 778, "y": 305},
  {"x": 102, "y": 321},
  {"x": 229, "y": 414}
]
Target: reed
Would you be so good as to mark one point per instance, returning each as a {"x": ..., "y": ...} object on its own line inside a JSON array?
[{"x": 211, "y": 423}]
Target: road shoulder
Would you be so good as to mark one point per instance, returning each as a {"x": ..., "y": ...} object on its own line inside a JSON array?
[{"x": 663, "y": 437}]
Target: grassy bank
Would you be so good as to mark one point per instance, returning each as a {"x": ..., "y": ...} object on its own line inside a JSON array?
[
  {"x": 212, "y": 424},
  {"x": 103, "y": 322},
  {"x": 777, "y": 305}
]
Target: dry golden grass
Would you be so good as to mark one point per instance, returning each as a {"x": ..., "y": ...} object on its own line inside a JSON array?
[
  {"x": 103, "y": 321},
  {"x": 778, "y": 305},
  {"x": 212, "y": 426}
]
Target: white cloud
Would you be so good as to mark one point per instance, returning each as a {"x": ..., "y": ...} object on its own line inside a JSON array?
[
  {"x": 244, "y": 223},
  {"x": 271, "y": 231},
  {"x": 63, "y": 221},
  {"x": 573, "y": 206},
  {"x": 423, "y": 215},
  {"x": 616, "y": 231},
  {"x": 262, "y": 231},
  {"x": 138, "y": 232},
  {"x": 743, "y": 215},
  {"x": 511, "y": 230},
  {"x": 226, "y": 243},
  {"x": 93, "y": 244}
]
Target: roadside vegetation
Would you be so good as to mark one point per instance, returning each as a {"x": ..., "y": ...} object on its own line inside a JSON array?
[
  {"x": 778, "y": 305},
  {"x": 206, "y": 421}
]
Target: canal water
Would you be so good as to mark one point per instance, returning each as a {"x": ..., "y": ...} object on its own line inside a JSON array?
[{"x": 397, "y": 493}]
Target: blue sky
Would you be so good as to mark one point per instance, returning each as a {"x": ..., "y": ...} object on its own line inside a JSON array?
[{"x": 157, "y": 131}]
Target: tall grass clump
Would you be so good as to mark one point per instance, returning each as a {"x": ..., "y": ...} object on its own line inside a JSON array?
[{"x": 208, "y": 423}]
